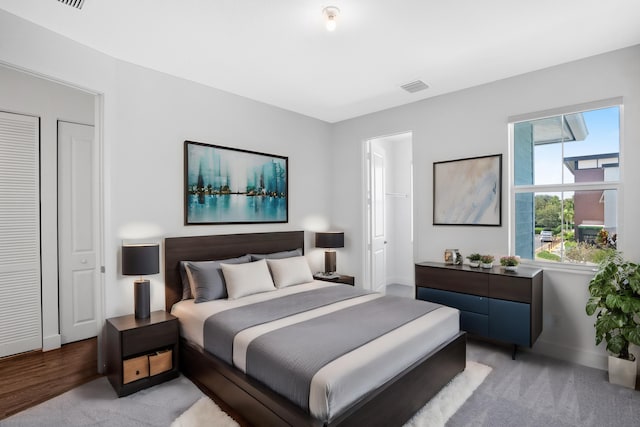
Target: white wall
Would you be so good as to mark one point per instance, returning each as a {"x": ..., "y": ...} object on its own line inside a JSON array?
[
  {"x": 26, "y": 94},
  {"x": 473, "y": 122},
  {"x": 145, "y": 117},
  {"x": 155, "y": 114}
]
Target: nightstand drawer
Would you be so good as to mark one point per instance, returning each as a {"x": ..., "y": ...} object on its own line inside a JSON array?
[
  {"x": 160, "y": 362},
  {"x": 139, "y": 340},
  {"x": 135, "y": 369}
]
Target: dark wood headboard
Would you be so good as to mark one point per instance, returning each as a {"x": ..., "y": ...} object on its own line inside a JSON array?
[{"x": 202, "y": 248}]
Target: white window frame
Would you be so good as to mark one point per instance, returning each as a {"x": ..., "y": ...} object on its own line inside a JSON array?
[{"x": 559, "y": 188}]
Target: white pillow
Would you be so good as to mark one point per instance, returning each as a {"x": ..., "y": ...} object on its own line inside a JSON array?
[
  {"x": 247, "y": 279},
  {"x": 290, "y": 271}
]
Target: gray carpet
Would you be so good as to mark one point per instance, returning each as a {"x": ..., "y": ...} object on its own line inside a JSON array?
[
  {"x": 539, "y": 391},
  {"x": 96, "y": 404},
  {"x": 530, "y": 391}
]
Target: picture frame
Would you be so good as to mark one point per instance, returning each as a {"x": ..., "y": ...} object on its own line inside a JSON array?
[
  {"x": 468, "y": 191},
  {"x": 224, "y": 185}
]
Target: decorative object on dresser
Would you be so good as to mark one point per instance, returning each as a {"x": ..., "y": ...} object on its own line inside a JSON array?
[
  {"x": 474, "y": 260},
  {"x": 452, "y": 256},
  {"x": 503, "y": 306},
  {"x": 141, "y": 260},
  {"x": 510, "y": 263},
  {"x": 329, "y": 240},
  {"x": 232, "y": 186},
  {"x": 486, "y": 261},
  {"x": 468, "y": 191},
  {"x": 141, "y": 352},
  {"x": 615, "y": 299}
]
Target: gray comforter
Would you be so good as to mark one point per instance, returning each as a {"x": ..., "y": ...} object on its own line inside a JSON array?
[{"x": 286, "y": 359}]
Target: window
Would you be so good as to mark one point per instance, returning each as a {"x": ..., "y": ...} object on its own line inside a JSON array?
[{"x": 566, "y": 175}]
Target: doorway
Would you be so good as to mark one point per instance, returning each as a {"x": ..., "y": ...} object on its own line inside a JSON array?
[
  {"x": 389, "y": 213},
  {"x": 78, "y": 231}
]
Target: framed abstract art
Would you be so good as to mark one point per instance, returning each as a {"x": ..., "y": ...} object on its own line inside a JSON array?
[
  {"x": 468, "y": 191},
  {"x": 232, "y": 186}
]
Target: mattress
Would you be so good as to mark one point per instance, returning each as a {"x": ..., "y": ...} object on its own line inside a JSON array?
[{"x": 339, "y": 382}]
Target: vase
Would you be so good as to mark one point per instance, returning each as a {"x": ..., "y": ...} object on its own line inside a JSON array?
[
  {"x": 474, "y": 264},
  {"x": 511, "y": 268},
  {"x": 486, "y": 265},
  {"x": 635, "y": 350},
  {"x": 622, "y": 372}
]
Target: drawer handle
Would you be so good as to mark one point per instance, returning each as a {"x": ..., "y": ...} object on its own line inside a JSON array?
[{"x": 137, "y": 372}]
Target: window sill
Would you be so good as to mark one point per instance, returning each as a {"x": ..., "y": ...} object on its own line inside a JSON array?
[{"x": 586, "y": 270}]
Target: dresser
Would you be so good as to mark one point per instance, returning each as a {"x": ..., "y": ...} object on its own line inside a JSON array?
[{"x": 493, "y": 303}]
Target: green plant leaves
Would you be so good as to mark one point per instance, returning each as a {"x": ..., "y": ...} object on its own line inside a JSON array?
[
  {"x": 592, "y": 305},
  {"x": 615, "y": 299}
]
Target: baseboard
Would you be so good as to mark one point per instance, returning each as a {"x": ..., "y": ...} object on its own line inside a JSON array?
[
  {"x": 51, "y": 342},
  {"x": 401, "y": 280},
  {"x": 592, "y": 359}
]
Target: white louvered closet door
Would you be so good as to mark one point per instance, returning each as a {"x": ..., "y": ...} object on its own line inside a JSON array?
[{"x": 20, "y": 285}]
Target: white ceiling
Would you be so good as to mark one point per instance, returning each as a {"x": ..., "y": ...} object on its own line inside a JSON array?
[{"x": 279, "y": 52}]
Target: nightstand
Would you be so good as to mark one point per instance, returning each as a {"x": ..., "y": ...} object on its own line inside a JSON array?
[
  {"x": 347, "y": 280},
  {"x": 141, "y": 352}
]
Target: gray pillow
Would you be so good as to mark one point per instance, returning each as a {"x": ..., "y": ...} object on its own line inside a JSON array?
[
  {"x": 276, "y": 255},
  {"x": 186, "y": 286},
  {"x": 206, "y": 279}
]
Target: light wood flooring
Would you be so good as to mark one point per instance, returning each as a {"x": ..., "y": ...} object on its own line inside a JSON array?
[{"x": 31, "y": 378}]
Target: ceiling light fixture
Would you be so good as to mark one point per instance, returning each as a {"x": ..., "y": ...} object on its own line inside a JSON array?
[{"x": 331, "y": 13}]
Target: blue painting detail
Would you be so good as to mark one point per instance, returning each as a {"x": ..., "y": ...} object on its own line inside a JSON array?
[{"x": 226, "y": 185}]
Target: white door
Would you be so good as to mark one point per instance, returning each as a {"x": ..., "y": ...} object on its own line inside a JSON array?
[
  {"x": 378, "y": 232},
  {"x": 20, "y": 287},
  {"x": 78, "y": 237}
]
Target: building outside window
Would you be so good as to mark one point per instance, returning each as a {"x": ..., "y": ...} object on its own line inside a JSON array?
[{"x": 566, "y": 177}]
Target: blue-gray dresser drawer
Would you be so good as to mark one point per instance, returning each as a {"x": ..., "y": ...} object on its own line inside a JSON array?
[
  {"x": 463, "y": 302},
  {"x": 510, "y": 322},
  {"x": 474, "y": 323}
]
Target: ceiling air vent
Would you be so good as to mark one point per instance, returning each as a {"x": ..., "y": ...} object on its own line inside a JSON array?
[
  {"x": 415, "y": 86},
  {"x": 73, "y": 3}
]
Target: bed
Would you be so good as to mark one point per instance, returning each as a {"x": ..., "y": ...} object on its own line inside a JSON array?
[{"x": 390, "y": 403}]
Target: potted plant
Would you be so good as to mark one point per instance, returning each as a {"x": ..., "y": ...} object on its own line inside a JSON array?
[
  {"x": 615, "y": 299},
  {"x": 474, "y": 260},
  {"x": 510, "y": 263},
  {"x": 486, "y": 261}
]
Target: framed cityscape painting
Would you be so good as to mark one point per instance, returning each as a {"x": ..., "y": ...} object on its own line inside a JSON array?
[
  {"x": 231, "y": 186},
  {"x": 468, "y": 191}
]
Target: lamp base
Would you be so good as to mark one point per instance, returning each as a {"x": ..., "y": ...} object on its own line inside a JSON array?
[
  {"x": 329, "y": 262},
  {"x": 142, "y": 299}
]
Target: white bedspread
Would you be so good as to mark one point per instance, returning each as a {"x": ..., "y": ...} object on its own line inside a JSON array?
[{"x": 346, "y": 379}]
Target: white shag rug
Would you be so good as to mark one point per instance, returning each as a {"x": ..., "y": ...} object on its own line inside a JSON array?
[
  {"x": 434, "y": 414},
  {"x": 204, "y": 413},
  {"x": 448, "y": 400}
]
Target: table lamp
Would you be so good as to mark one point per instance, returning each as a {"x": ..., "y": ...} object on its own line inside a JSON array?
[
  {"x": 330, "y": 240},
  {"x": 141, "y": 260}
]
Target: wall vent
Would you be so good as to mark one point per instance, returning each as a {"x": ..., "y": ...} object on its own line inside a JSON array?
[
  {"x": 415, "y": 86},
  {"x": 73, "y": 3}
]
